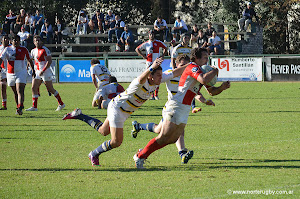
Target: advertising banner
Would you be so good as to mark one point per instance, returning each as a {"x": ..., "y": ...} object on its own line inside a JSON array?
[
  {"x": 127, "y": 70},
  {"x": 285, "y": 69},
  {"x": 238, "y": 69},
  {"x": 75, "y": 70}
]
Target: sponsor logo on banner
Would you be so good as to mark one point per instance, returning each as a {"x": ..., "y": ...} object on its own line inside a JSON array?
[
  {"x": 285, "y": 69},
  {"x": 238, "y": 69}
]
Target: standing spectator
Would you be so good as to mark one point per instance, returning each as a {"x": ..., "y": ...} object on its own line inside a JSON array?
[
  {"x": 110, "y": 18},
  {"x": 82, "y": 22},
  {"x": 47, "y": 31},
  {"x": 202, "y": 39},
  {"x": 9, "y": 22},
  {"x": 17, "y": 69},
  {"x": 161, "y": 28},
  {"x": 126, "y": 40},
  {"x": 214, "y": 43},
  {"x": 29, "y": 20},
  {"x": 95, "y": 23},
  {"x": 179, "y": 27},
  {"x": 3, "y": 70},
  {"x": 117, "y": 29},
  {"x": 152, "y": 47},
  {"x": 57, "y": 33},
  {"x": 24, "y": 36},
  {"x": 42, "y": 58},
  {"x": 209, "y": 30},
  {"x": 248, "y": 13},
  {"x": 38, "y": 22},
  {"x": 194, "y": 35}
]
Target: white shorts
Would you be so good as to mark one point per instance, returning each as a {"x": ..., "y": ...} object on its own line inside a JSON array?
[
  {"x": 176, "y": 112},
  {"x": 2, "y": 74},
  {"x": 97, "y": 95},
  {"x": 47, "y": 76},
  {"x": 116, "y": 116},
  {"x": 18, "y": 77}
]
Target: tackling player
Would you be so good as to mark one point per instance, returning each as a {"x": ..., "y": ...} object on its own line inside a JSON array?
[
  {"x": 123, "y": 105},
  {"x": 176, "y": 112},
  {"x": 42, "y": 58}
]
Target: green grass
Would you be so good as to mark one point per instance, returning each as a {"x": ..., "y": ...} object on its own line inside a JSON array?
[{"x": 248, "y": 141}]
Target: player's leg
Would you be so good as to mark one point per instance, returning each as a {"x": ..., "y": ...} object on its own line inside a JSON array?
[
  {"x": 183, "y": 152},
  {"x": 50, "y": 88},
  {"x": 20, "y": 87},
  {"x": 35, "y": 94},
  {"x": 137, "y": 127},
  {"x": 14, "y": 90},
  {"x": 3, "y": 93}
]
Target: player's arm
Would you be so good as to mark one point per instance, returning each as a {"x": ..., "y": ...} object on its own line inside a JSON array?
[
  {"x": 47, "y": 65},
  {"x": 217, "y": 90},
  {"x": 94, "y": 81},
  {"x": 202, "y": 99},
  {"x": 164, "y": 52},
  {"x": 143, "y": 77},
  {"x": 207, "y": 77},
  {"x": 178, "y": 71},
  {"x": 138, "y": 51}
]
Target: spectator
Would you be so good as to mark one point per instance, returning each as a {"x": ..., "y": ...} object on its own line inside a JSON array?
[
  {"x": 38, "y": 22},
  {"x": 24, "y": 36},
  {"x": 20, "y": 20},
  {"x": 209, "y": 30},
  {"x": 248, "y": 13},
  {"x": 9, "y": 22},
  {"x": 214, "y": 43},
  {"x": 82, "y": 22},
  {"x": 95, "y": 23},
  {"x": 161, "y": 28},
  {"x": 202, "y": 40},
  {"x": 126, "y": 40},
  {"x": 179, "y": 27},
  {"x": 29, "y": 19},
  {"x": 194, "y": 35},
  {"x": 117, "y": 29},
  {"x": 106, "y": 27},
  {"x": 57, "y": 33},
  {"x": 110, "y": 18},
  {"x": 47, "y": 31}
]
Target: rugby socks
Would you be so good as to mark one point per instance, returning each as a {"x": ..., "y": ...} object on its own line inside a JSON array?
[
  {"x": 182, "y": 152},
  {"x": 105, "y": 146},
  {"x": 4, "y": 103},
  {"x": 34, "y": 100},
  {"x": 57, "y": 96},
  {"x": 193, "y": 104},
  {"x": 150, "y": 148},
  {"x": 93, "y": 122},
  {"x": 148, "y": 127}
]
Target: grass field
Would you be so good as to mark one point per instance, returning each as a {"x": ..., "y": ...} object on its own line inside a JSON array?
[{"x": 248, "y": 142}]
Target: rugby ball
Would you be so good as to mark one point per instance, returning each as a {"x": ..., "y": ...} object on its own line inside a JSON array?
[{"x": 206, "y": 69}]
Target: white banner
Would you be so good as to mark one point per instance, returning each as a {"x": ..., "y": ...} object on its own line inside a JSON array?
[
  {"x": 238, "y": 69},
  {"x": 127, "y": 70}
]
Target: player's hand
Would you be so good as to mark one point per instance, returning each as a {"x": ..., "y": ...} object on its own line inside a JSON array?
[
  {"x": 157, "y": 62},
  {"x": 41, "y": 73},
  {"x": 210, "y": 103},
  {"x": 225, "y": 85}
]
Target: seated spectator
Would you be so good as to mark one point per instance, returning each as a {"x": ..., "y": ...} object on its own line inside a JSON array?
[
  {"x": 38, "y": 22},
  {"x": 110, "y": 18},
  {"x": 96, "y": 22},
  {"x": 58, "y": 33},
  {"x": 117, "y": 29},
  {"x": 248, "y": 13},
  {"x": 214, "y": 43},
  {"x": 161, "y": 28},
  {"x": 194, "y": 35},
  {"x": 202, "y": 40},
  {"x": 126, "y": 40},
  {"x": 82, "y": 22},
  {"x": 47, "y": 31},
  {"x": 24, "y": 36},
  {"x": 29, "y": 19},
  {"x": 20, "y": 20},
  {"x": 179, "y": 27},
  {"x": 209, "y": 30},
  {"x": 106, "y": 27},
  {"x": 9, "y": 22}
]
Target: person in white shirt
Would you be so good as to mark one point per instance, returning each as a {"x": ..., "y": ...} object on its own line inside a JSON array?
[
  {"x": 24, "y": 35},
  {"x": 179, "y": 27},
  {"x": 214, "y": 43},
  {"x": 161, "y": 28},
  {"x": 82, "y": 22}
]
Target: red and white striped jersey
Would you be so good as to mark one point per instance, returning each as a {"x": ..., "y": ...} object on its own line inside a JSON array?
[
  {"x": 39, "y": 55},
  {"x": 16, "y": 57},
  {"x": 152, "y": 49},
  {"x": 188, "y": 86}
]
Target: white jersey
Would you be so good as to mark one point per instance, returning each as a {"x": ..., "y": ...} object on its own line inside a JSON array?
[
  {"x": 137, "y": 94},
  {"x": 39, "y": 55},
  {"x": 172, "y": 85},
  {"x": 102, "y": 74},
  {"x": 180, "y": 50}
]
